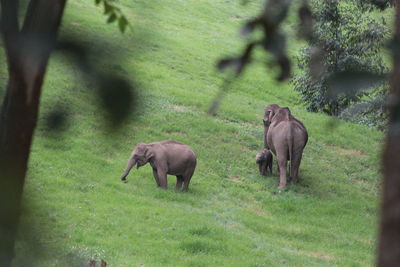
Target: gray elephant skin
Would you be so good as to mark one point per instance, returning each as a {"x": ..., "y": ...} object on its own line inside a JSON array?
[
  {"x": 165, "y": 157},
  {"x": 264, "y": 161},
  {"x": 286, "y": 137}
]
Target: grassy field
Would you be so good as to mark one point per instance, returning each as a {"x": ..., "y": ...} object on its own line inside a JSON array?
[{"x": 76, "y": 208}]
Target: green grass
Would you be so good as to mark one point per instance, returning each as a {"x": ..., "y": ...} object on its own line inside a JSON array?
[{"x": 76, "y": 208}]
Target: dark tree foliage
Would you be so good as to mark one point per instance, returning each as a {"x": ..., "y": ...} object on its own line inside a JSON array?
[
  {"x": 345, "y": 44},
  {"x": 373, "y": 4},
  {"x": 371, "y": 112}
]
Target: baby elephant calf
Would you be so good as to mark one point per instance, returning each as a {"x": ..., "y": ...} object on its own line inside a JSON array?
[{"x": 264, "y": 160}]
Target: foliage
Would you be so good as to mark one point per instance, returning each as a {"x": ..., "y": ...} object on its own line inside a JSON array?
[
  {"x": 371, "y": 111},
  {"x": 114, "y": 13},
  {"x": 345, "y": 40},
  {"x": 371, "y": 4}
]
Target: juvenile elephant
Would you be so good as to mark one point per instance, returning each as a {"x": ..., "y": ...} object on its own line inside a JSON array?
[
  {"x": 165, "y": 157},
  {"x": 286, "y": 137},
  {"x": 264, "y": 161}
]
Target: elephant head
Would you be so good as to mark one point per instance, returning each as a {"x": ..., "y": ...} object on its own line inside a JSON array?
[
  {"x": 270, "y": 112},
  {"x": 259, "y": 157},
  {"x": 140, "y": 157},
  {"x": 274, "y": 113}
]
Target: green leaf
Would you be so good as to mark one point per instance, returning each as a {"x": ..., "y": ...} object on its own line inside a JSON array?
[
  {"x": 108, "y": 8},
  {"x": 97, "y": 2},
  {"x": 112, "y": 18},
  {"x": 122, "y": 23}
]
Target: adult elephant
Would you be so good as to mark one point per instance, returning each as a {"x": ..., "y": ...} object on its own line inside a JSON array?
[
  {"x": 286, "y": 137},
  {"x": 165, "y": 157}
]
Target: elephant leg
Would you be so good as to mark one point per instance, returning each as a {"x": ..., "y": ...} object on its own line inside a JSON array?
[
  {"x": 156, "y": 177},
  {"x": 186, "y": 179},
  {"x": 294, "y": 167},
  {"x": 277, "y": 166},
  {"x": 179, "y": 181},
  {"x": 282, "y": 163},
  {"x": 162, "y": 178},
  {"x": 270, "y": 167},
  {"x": 263, "y": 166}
]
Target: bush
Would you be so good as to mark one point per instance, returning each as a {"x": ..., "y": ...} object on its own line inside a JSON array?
[
  {"x": 345, "y": 39},
  {"x": 370, "y": 112}
]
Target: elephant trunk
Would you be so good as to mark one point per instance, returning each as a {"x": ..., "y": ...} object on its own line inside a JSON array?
[{"x": 131, "y": 163}]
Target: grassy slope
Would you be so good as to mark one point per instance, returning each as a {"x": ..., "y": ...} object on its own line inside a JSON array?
[{"x": 77, "y": 208}]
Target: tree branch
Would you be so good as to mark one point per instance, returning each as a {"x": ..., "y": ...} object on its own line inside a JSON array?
[{"x": 10, "y": 29}]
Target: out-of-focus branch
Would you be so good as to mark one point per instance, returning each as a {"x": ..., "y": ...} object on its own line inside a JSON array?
[{"x": 10, "y": 29}]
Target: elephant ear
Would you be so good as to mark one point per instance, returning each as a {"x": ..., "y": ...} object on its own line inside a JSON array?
[
  {"x": 282, "y": 114},
  {"x": 286, "y": 112},
  {"x": 269, "y": 114},
  {"x": 139, "y": 148},
  {"x": 148, "y": 153}
]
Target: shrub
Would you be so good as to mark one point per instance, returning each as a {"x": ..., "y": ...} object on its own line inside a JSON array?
[{"x": 346, "y": 39}]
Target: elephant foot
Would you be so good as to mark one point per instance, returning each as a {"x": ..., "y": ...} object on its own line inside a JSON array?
[
  {"x": 124, "y": 181},
  {"x": 179, "y": 189},
  {"x": 281, "y": 186}
]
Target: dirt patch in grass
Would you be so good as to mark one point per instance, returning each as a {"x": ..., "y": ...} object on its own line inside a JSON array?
[
  {"x": 253, "y": 206},
  {"x": 235, "y": 17},
  {"x": 258, "y": 126},
  {"x": 179, "y": 108},
  {"x": 259, "y": 212},
  {"x": 177, "y": 133},
  {"x": 319, "y": 255},
  {"x": 346, "y": 151},
  {"x": 353, "y": 152},
  {"x": 236, "y": 180}
]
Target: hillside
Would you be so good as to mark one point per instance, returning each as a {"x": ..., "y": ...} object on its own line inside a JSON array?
[{"x": 76, "y": 207}]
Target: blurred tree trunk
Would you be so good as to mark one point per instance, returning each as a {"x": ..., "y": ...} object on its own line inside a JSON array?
[
  {"x": 27, "y": 50},
  {"x": 389, "y": 243}
]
